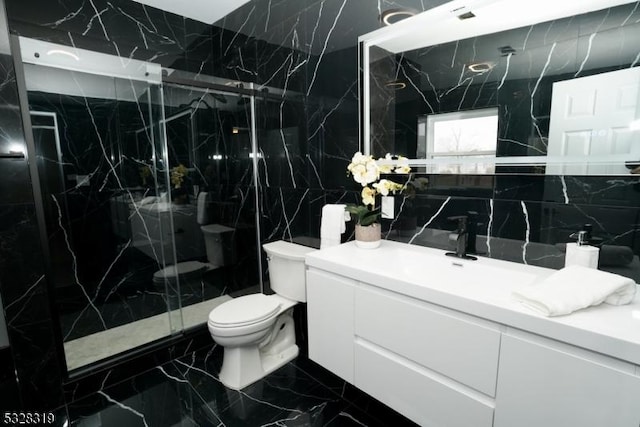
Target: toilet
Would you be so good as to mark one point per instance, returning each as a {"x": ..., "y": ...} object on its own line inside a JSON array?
[
  {"x": 257, "y": 331},
  {"x": 214, "y": 246}
]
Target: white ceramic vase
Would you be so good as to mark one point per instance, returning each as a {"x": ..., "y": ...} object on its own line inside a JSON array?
[{"x": 368, "y": 237}]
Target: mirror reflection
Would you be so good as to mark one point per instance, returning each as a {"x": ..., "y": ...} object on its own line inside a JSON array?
[{"x": 558, "y": 96}]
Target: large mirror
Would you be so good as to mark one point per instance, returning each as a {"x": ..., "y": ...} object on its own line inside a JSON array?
[{"x": 504, "y": 86}]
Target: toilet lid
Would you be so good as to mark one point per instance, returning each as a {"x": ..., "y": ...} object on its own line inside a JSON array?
[
  {"x": 215, "y": 228},
  {"x": 244, "y": 310},
  {"x": 182, "y": 269}
]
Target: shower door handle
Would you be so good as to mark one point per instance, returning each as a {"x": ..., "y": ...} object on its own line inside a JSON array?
[{"x": 12, "y": 155}]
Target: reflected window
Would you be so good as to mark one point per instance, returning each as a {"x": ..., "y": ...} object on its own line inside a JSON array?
[{"x": 459, "y": 135}]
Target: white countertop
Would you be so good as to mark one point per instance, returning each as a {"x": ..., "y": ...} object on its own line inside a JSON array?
[{"x": 483, "y": 288}]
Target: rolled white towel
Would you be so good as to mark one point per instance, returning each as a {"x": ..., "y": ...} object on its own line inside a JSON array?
[
  {"x": 332, "y": 225},
  {"x": 202, "y": 216},
  {"x": 574, "y": 288}
]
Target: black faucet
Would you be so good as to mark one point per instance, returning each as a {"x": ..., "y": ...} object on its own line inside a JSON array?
[{"x": 464, "y": 238}]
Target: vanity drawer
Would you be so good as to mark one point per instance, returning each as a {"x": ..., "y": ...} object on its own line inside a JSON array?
[
  {"x": 429, "y": 400},
  {"x": 456, "y": 345}
]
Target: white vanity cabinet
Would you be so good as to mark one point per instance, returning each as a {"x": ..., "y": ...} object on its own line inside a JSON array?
[
  {"x": 546, "y": 383},
  {"x": 450, "y": 352}
]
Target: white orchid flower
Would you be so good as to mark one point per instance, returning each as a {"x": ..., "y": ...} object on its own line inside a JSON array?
[
  {"x": 385, "y": 163},
  {"x": 402, "y": 165},
  {"x": 402, "y": 169},
  {"x": 368, "y": 196},
  {"x": 365, "y": 173},
  {"x": 384, "y": 187}
]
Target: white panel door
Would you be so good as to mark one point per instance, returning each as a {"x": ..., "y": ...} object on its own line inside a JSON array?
[{"x": 590, "y": 116}]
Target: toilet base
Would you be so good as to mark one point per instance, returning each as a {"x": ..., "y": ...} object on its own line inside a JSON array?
[{"x": 244, "y": 365}]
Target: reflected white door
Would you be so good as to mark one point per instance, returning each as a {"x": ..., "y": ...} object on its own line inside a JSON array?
[{"x": 590, "y": 116}]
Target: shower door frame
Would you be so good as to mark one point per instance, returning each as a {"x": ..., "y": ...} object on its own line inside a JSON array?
[
  {"x": 246, "y": 89},
  {"x": 153, "y": 80},
  {"x": 249, "y": 90}
]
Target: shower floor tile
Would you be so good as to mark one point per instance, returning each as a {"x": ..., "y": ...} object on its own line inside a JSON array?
[
  {"x": 187, "y": 392},
  {"x": 91, "y": 348}
]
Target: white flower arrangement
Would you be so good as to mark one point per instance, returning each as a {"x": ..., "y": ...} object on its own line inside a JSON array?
[{"x": 366, "y": 171}]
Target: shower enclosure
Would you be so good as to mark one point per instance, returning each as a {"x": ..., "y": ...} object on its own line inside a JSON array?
[{"x": 131, "y": 169}]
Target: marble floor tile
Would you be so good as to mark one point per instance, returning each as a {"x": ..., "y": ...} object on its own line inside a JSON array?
[{"x": 187, "y": 392}]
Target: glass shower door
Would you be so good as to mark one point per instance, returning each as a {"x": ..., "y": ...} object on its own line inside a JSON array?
[
  {"x": 103, "y": 167},
  {"x": 209, "y": 139}
]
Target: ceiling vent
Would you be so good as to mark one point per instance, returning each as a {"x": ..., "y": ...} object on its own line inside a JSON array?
[
  {"x": 466, "y": 15},
  {"x": 463, "y": 13},
  {"x": 506, "y": 50}
]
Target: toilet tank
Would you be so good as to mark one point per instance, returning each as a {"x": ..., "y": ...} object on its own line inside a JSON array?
[
  {"x": 287, "y": 270},
  {"x": 214, "y": 242}
]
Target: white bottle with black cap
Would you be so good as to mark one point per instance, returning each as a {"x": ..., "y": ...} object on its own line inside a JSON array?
[{"x": 581, "y": 253}]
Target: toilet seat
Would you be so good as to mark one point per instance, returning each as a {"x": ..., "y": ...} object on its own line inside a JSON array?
[{"x": 244, "y": 311}]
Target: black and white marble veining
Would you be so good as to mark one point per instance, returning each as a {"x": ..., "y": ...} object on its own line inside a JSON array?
[
  {"x": 187, "y": 391},
  {"x": 305, "y": 54},
  {"x": 27, "y": 308}
]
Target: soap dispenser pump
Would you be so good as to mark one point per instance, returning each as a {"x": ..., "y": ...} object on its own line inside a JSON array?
[{"x": 581, "y": 253}]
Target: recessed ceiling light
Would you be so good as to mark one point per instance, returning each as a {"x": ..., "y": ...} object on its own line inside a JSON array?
[
  {"x": 391, "y": 16},
  {"x": 396, "y": 85},
  {"x": 63, "y": 52},
  {"x": 481, "y": 67}
]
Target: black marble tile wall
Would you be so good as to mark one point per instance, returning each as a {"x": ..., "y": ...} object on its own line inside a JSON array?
[
  {"x": 8, "y": 384},
  {"x": 309, "y": 136},
  {"x": 122, "y": 28}
]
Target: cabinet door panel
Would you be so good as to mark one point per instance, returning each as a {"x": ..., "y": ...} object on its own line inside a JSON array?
[
  {"x": 330, "y": 301},
  {"x": 454, "y": 344},
  {"x": 539, "y": 385},
  {"x": 406, "y": 388}
]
